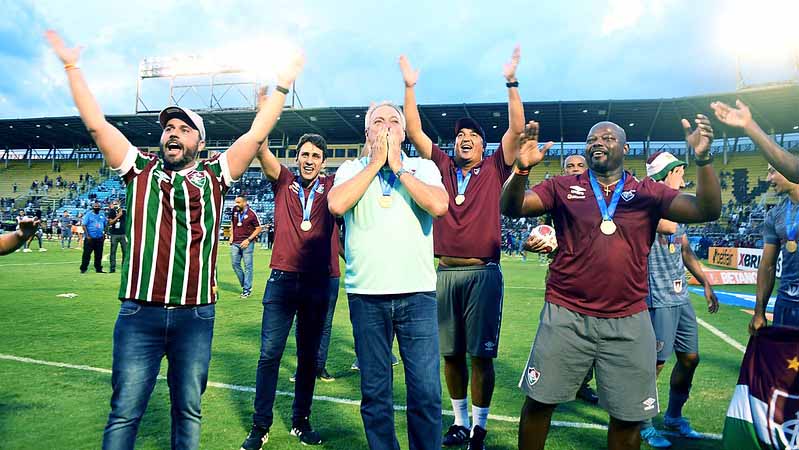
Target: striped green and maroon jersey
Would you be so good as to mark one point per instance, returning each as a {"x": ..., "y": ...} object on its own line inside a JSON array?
[{"x": 173, "y": 229}]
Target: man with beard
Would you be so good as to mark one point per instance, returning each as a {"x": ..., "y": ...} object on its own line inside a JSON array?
[
  {"x": 389, "y": 202},
  {"x": 94, "y": 223},
  {"x": 304, "y": 263},
  {"x": 673, "y": 316},
  {"x": 595, "y": 310},
  {"x": 468, "y": 244},
  {"x": 168, "y": 285}
]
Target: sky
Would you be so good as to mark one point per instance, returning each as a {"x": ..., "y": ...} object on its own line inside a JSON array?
[{"x": 570, "y": 49}]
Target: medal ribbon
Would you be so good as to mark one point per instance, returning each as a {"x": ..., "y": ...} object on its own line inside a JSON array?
[
  {"x": 607, "y": 210},
  {"x": 387, "y": 183},
  {"x": 240, "y": 215},
  {"x": 791, "y": 223},
  {"x": 463, "y": 181},
  {"x": 306, "y": 207}
]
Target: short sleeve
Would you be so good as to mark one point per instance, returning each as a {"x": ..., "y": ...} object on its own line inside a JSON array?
[
  {"x": 428, "y": 173},
  {"x": 218, "y": 166},
  {"x": 439, "y": 158},
  {"x": 134, "y": 163},
  {"x": 256, "y": 219},
  {"x": 546, "y": 192},
  {"x": 347, "y": 170},
  {"x": 769, "y": 228},
  {"x": 498, "y": 159},
  {"x": 664, "y": 195},
  {"x": 284, "y": 178}
]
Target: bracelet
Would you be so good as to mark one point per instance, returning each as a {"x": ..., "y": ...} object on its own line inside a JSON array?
[
  {"x": 703, "y": 162},
  {"x": 522, "y": 172},
  {"x": 282, "y": 90},
  {"x": 70, "y": 66},
  {"x": 512, "y": 84}
]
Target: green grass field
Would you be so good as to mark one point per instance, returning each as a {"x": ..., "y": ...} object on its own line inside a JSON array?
[{"x": 44, "y": 406}]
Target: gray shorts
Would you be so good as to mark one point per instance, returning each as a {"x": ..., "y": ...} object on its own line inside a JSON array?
[
  {"x": 568, "y": 343},
  {"x": 469, "y": 310},
  {"x": 675, "y": 330}
]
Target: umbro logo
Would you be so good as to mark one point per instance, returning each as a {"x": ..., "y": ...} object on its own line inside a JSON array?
[
  {"x": 576, "y": 193},
  {"x": 489, "y": 345},
  {"x": 628, "y": 195},
  {"x": 649, "y": 403},
  {"x": 320, "y": 189},
  {"x": 162, "y": 176}
]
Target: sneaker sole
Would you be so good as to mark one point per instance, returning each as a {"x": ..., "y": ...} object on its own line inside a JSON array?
[{"x": 304, "y": 443}]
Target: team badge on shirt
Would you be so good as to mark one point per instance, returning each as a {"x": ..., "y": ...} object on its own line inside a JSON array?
[
  {"x": 320, "y": 189},
  {"x": 196, "y": 178},
  {"x": 476, "y": 171},
  {"x": 532, "y": 375},
  {"x": 628, "y": 195}
]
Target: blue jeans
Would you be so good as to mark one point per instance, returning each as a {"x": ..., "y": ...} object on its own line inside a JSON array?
[
  {"x": 288, "y": 294},
  {"x": 236, "y": 255},
  {"x": 66, "y": 236},
  {"x": 413, "y": 318},
  {"x": 786, "y": 314},
  {"x": 142, "y": 336}
]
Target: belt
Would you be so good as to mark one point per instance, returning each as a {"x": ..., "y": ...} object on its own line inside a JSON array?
[{"x": 167, "y": 306}]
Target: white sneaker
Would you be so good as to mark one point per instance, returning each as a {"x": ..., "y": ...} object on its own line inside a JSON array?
[
  {"x": 42, "y": 249},
  {"x": 27, "y": 250}
]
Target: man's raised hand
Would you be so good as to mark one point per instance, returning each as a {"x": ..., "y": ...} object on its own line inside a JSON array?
[
  {"x": 739, "y": 117},
  {"x": 66, "y": 55},
  {"x": 509, "y": 69},
  {"x": 530, "y": 153},
  {"x": 699, "y": 138},
  {"x": 409, "y": 75}
]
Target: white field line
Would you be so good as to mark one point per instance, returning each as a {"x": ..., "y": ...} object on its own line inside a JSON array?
[
  {"x": 323, "y": 398},
  {"x": 724, "y": 337}
]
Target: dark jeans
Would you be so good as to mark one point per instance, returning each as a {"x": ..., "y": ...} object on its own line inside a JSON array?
[
  {"x": 288, "y": 294},
  {"x": 142, "y": 336},
  {"x": 413, "y": 318},
  {"x": 117, "y": 240},
  {"x": 327, "y": 327},
  {"x": 94, "y": 245}
]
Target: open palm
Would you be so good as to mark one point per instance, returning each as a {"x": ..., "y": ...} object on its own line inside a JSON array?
[
  {"x": 409, "y": 75},
  {"x": 67, "y": 55},
  {"x": 734, "y": 117},
  {"x": 509, "y": 69},
  {"x": 530, "y": 153}
]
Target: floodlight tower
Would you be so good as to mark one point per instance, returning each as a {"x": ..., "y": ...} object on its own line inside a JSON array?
[{"x": 213, "y": 85}]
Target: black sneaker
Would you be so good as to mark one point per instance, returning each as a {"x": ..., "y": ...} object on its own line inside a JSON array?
[
  {"x": 324, "y": 375},
  {"x": 302, "y": 429},
  {"x": 587, "y": 395},
  {"x": 455, "y": 436},
  {"x": 477, "y": 440},
  {"x": 256, "y": 439}
]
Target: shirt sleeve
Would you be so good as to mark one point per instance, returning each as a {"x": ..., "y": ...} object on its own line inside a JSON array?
[
  {"x": 135, "y": 161},
  {"x": 498, "y": 159},
  {"x": 347, "y": 170},
  {"x": 664, "y": 194},
  {"x": 428, "y": 173},
  {"x": 255, "y": 219},
  {"x": 218, "y": 166},
  {"x": 546, "y": 192},
  {"x": 769, "y": 228},
  {"x": 439, "y": 158},
  {"x": 284, "y": 179}
]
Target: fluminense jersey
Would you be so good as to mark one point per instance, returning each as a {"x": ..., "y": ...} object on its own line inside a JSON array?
[{"x": 172, "y": 229}]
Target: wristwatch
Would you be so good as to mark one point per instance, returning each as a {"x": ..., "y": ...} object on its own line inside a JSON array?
[{"x": 400, "y": 172}]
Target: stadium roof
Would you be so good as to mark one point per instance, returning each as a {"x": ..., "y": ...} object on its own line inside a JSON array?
[{"x": 775, "y": 108}]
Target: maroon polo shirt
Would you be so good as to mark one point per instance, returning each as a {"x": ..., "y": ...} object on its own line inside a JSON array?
[
  {"x": 249, "y": 222},
  {"x": 595, "y": 274},
  {"x": 472, "y": 229},
  {"x": 313, "y": 251}
]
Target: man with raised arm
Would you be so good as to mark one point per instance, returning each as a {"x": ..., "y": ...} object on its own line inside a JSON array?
[
  {"x": 595, "y": 310},
  {"x": 389, "y": 201},
  {"x": 168, "y": 288},
  {"x": 783, "y": 162},
  {"x": 304, "y": 259},
  {"x": 467, "y": 242}
]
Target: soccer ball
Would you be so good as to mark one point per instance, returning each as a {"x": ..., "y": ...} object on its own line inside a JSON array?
[{"x": 547, "y": 233}]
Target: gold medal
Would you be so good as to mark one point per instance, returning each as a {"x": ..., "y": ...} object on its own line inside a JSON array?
[
  {"x": 790, "y": 246},
  {"x": 305, "y": 225},
  {"x": 607, "y": 227},
  {"x": 459, "y": 199},
  {"x": 239, "y": 223},
  {"x": 385, "y": 201},
  {"x": 672, "y": 248}
]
